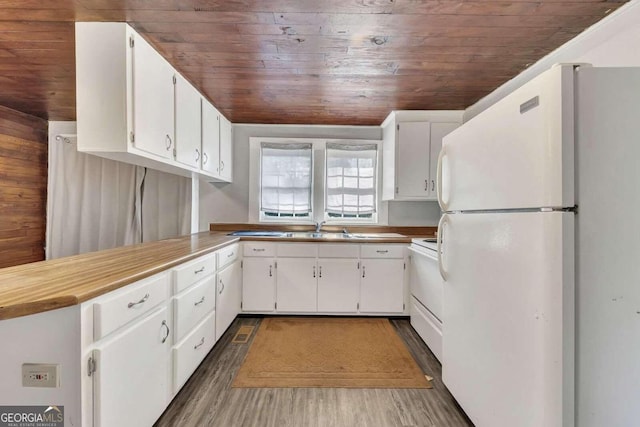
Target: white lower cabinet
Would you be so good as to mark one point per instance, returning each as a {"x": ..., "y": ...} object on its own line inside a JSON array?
[
  {"x": 188, "y": 354},
  {"x": 229, "y": 297},
  {"x": 258, "y": 284},
  {"x": 131, "y": 386},
  {"x": 338, "y": 285},
  {"x": 296, "y": 285}
]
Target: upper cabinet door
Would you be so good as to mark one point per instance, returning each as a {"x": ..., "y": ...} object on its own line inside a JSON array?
[
  {"x": 210, "y": 138},
  {"x": 438, "y": 131},
  {"x": 153, "y": 103},
  {"x": 188, "y": 123},
  {"x": 412, "y": 164},
  {"x": 226, "y": 136}
]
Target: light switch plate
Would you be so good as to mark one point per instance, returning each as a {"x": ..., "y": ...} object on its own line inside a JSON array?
[{"x": 40, "y": 375}]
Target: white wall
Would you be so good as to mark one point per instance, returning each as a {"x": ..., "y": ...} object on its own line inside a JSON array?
[
  {"x": 612, "y": 42},
  {"x": 230, "y": 202}
]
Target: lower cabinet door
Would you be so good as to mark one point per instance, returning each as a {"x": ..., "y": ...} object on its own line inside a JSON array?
[
  {"x": 131, "y": 383},
  {"x": 338, "y": 285},
  {"x": 188, "y": 354},
  {"x": 382, "y": 286},
  {"x": 297, "y": 285},
  {"x": 258, "y": 284},
  {"x": 228, "y": 297}
]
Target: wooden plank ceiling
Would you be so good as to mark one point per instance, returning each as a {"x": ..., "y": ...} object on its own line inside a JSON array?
[{"x": 298, "y": 61}]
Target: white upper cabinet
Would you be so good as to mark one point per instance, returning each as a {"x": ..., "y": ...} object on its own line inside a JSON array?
[
  {"x": 132, "y": 106},
  {"x": 226, "y": 137},
  {"x": 188, "y": 123},
  {"x": 210, "y": 138},
  {"x": 411, "y": 145}
]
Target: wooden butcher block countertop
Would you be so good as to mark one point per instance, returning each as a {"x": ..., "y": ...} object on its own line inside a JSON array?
[{"x": 62, "y": 282}]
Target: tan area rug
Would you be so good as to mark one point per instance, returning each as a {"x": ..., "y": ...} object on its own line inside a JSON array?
[{"x": 329, "y": 352}]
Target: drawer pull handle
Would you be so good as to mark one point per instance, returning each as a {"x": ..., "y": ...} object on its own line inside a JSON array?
[
  {"x": 258, "y": 249},
  {"x": 314, "y": 271},
  {"x": 197, "y": 346},
  {"x": 142, "y": 301},
  {"x": 271, "y": 271},
  {"x": 320, "y": 272},
  {"x": 199, "y": 270},
  {"x": 164, "y": 323},
  {"x": 231, "y": 254},
  {"x": 363, "y": 271},
  {"x": 199, "y": 302},
  {"x": 383, "y": 252},
  {"x": 222, "y": 288}
]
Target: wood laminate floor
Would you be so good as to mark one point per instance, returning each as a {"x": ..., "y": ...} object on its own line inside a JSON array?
[{"x": 207, "y": 399}]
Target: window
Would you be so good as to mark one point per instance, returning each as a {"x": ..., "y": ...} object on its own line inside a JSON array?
[
  {"x": 350, "y": 188},
  {"x": 286, "y": 172}
]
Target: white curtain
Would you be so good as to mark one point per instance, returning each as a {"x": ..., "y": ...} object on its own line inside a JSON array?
[{"x": 95, "y": 203}]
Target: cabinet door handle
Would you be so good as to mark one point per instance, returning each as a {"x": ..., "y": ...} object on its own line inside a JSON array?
[
  {"x": 197, "y": 303},
  {"x": 168, "y": 142},
  {"x": 200, "y": 270},
  {"x": 197, "y": 346},
  {"x": 221, "y": 289},
  {"x": 320, "y": 272},
  {"x": 221, "y": 165},
  {"x": 426, "y": 185},
  {"x": 271, "y": 271},
  {"x": 363, "y": 271},
  {"x": 383, "y": 251},
  {"x": 164, "y": 323},
  {"x": 197, "y": 154},
  {"x": 142, "y": 301},
  {"x": 314, "y": 271},
  {"x": 205, "y": 158},
  {"x": 433, "y": 185}
]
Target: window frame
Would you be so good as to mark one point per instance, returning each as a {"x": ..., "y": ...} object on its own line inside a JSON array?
[{"x": 318, "y": 213}]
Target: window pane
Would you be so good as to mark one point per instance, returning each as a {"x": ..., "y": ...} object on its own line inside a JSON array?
[
  {"x": 350, "y": 190},
  {"x": 285, "y": 179}
]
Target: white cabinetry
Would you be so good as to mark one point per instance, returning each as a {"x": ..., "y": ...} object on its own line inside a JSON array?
[
  {"x": 226, "y": 155},
  {"x": 210, "y": 139},
  {"x": 132, "y": 360},
  {"x": 258, "y": 284},
  {"x": 338, "y": 278},
  {"x": 411, "y": 145},
  {"x": 382, "y": 279},
  {"x": 188, "y": 121},
  {"x": 297, "y": 285},
  {"x": 132, "y": 106},
  {"x": 229, "y": 297}
]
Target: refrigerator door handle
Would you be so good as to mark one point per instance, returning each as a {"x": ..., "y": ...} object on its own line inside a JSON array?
[
  {"x": 443, "y": 205},
  {"x": 443, "y": 221}
]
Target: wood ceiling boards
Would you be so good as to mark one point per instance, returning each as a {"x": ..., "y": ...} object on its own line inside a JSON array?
[{"x": 293, "y": 61}]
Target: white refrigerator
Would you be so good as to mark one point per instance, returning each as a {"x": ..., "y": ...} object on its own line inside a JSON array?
[{"x": 538, "y": 190}]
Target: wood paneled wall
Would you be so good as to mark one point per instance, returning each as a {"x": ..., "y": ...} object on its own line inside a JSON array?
[{"x": 23, "y": 187}]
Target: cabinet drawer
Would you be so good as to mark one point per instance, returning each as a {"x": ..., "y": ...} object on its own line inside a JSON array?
[
  {"x": 227, "y": 255},
  {"x": 326, "y": 250},
  {"x": 382, "y": 251},
  {"x": 427, "y": 326},
  {"x": 190, "y": 272},
  {"x": 259, "y": 249},
  {"x": 188, "y": 354},
  {"x": 297, "y": 250},
  {"x": 128, "y": 303},
  {"x": 192, "y": 305}
]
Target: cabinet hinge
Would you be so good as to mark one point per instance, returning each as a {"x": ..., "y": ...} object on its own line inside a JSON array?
[
  {"x": 275, "y": 305},
  {"x": 358, "y": 306},
  {"x": 174, "y": 153},
  {"x": 405, "y": 266},
  {"x": 131, "y": 42},
  {"x": 91, "y": 366},
  {"x": 358, "y": 265},
  {"x": 240, "y": 305},
  {"x": 397, "y": 190},
  {"x": 398, "y": 126},
  {"x": 174, "y": 79},
  {"x": 275, "y": 264},
  {"x": 403, "y": 306},
  {"x": 242, "y": 264},
  {"x": 132, "y": 137}
]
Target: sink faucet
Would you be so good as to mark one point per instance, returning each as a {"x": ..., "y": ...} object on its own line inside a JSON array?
[{"x": 319, "y": 226}]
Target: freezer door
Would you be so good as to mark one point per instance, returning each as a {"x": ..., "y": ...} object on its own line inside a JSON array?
[
  {"x": 508, "y": 317},
  {"x": 516, "y": 154}
]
